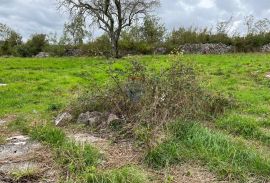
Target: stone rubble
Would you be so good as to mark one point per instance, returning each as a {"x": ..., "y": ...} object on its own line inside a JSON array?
[
  {"x": 90, "y": 118},
  {"x": 208, "y": 48},
  {"x": 93, "y": 119},
  {"x": 42, "y": 55},
  {"x": 266, "y": 48}
]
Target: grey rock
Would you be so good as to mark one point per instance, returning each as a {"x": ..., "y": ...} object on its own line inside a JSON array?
[
  {"x": 90, "y": 118},
  {"x": 83, "y": 118},
  {"x": 112, "y": 118},
  {"x": 42, "y": 55},
  {"x": 160, "y": 51},
  {"x": 63, "y": 119},
  {"x": 2, "y": 122}
]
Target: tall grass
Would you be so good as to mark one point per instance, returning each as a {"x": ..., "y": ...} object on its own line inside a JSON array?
[
  {"x": 230, "y": 159},
  {"x": 244, "y": 126},
  {"x": 127, "y": 174}
]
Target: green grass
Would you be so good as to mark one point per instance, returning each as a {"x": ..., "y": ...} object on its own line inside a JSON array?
[
  {"x": 29, "y": 174},
  {"x": 48, "y": 134},
  {"x": 44, "y": 85},
  {"x": 218, "y": 151},
  {"x": 2, "y": 140},
  {"x": 245, "y": 126},
  {"x": 127, "y": 174},
  {"x": 39, "y": 88}
]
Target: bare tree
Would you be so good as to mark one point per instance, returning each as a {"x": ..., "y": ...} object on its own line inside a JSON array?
[
  {"x": 262, "y": 26},
  {"x": 112, "y": 16},
  {"x": 224, "y": 27},
  {"x": 249, "y": 22}
]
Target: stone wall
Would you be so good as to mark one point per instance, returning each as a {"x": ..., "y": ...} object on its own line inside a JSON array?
[{"x": 208, "y": 48}]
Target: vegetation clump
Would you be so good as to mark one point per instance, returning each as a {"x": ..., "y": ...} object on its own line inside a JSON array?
[{"x": 153, "y": 98}]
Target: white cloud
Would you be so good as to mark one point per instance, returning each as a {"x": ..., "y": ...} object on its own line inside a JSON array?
[{"x": 42, "y": 16}]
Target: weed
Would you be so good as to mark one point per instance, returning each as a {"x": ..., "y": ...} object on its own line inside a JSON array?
[
  {"x": 122, "y": 175},
  {"x": 2, "y": 140},
  {"x": 48, "y": 134},
  {"x": 75, "y": 158},
  {"x": 26, "y": 175}
]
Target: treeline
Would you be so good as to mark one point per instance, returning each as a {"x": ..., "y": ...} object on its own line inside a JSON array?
[{"x": 147, "y": 37}]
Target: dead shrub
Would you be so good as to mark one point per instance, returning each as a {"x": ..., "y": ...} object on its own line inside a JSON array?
[{"x": 140, "y": 96}]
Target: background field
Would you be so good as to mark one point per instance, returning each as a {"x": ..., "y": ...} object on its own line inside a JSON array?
[{"x": 39, "y": 88}]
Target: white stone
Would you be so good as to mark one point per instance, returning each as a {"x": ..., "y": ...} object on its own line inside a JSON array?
[
  {"x": 2, "y": 122},
  {"x": 63, "y": 118}
]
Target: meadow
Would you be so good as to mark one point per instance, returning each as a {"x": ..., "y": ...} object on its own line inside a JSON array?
[{"x": 235, "y": 146}]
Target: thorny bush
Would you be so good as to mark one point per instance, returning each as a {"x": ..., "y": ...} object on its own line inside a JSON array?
[{"x": 141, "y": 96}]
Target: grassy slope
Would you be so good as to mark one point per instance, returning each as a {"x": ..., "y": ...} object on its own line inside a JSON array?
[{"x": 45, "y": 85}]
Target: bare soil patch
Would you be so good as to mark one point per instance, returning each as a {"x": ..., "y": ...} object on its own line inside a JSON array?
[{"x": 19, "y": 154}]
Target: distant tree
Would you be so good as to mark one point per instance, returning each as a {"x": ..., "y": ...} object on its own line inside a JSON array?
[
  {"x": 152, "y": 30},
  {"x": 34, "y": 45},
  {"x": 223, "y": 27},
  {"x": 249, "y": 23},
  {"x": 262, "y": 26},
  {"x": 143, "y": 37},
  {"x": 112, "y": 16},
  {"x": 5, "y": 32},
  {"x": 77, "y": 30},
  {"x": 9, "y": 40}
]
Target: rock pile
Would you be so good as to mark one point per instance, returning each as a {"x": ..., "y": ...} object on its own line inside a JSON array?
[
  {"x": 42, "y": 55},
  {"x": 266, "y": 48},
  {"x": 73, "y": 52},
  {"x": 208, "y": 48},
  {"x": 93, "y": 119}
]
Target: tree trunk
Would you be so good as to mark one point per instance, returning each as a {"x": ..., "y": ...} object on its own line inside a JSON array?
[
  {"x": 115, "y": 47},
  {"x": 115, "y": 44}
]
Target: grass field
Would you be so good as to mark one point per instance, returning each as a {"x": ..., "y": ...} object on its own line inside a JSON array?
[{"x": 235, "y": 146}]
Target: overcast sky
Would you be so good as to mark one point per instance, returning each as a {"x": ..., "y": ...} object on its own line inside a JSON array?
[{"x": 42, "y": 16}]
